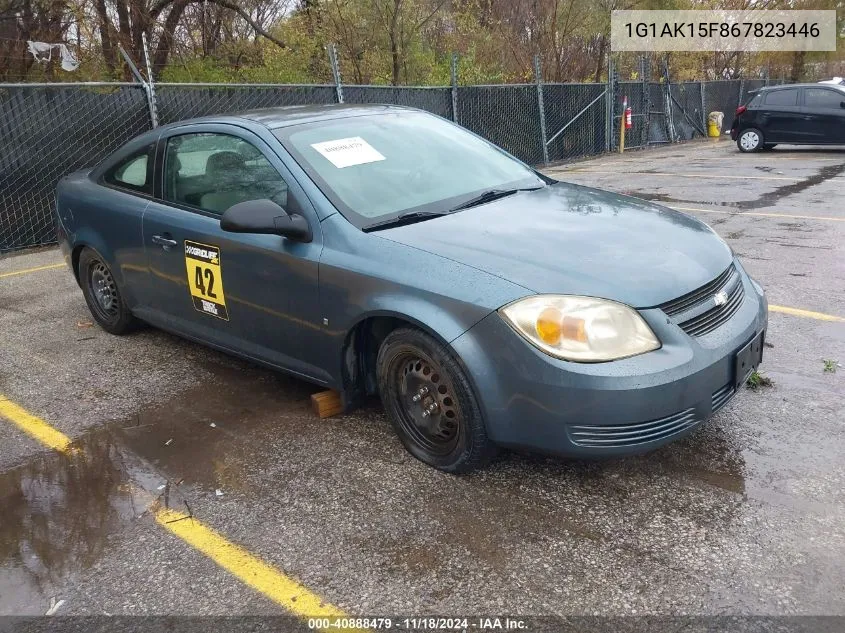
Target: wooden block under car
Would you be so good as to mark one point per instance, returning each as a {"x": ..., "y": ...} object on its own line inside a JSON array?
[{"x": 327, "y": 403}]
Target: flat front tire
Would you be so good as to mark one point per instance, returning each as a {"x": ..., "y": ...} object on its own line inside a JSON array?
[
  {"x": 102, "y": 294},
  {"x": 430, "y": 402},
  {"x": 750, "y": 140}
]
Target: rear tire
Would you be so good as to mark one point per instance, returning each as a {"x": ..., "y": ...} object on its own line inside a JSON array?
[
  {"x": 430, "y": 403},
  {"x": 750, "y": 140},
  {"x": 102, "y": 294}
]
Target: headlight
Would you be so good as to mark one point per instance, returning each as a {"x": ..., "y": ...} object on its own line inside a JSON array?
[{"x": 581, "y": 329}]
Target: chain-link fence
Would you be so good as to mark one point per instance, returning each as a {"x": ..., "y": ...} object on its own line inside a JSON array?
[
  {"x": 48, "y": 131},
  {"x": 507, "y": 115},
  {"x": 436, "y": 100},
  {"x": 575, "y": 120},
  {"x": 688, "y": 113},
  {"x": 177, "y": 102}
]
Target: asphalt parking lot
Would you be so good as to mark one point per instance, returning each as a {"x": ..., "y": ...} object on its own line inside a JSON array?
[{"x": 745, "y": 516}]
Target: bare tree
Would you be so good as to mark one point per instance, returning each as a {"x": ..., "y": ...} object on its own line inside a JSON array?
[
  {"x": 125, "y": 22},
  {"x": 403, "y": 20},
  {"x": 22, "y": 20}
]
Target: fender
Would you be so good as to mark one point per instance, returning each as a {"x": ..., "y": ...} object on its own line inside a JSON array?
[
  {"x": 89, "y": 237},
  {"x": 108, "y": 221},
  {"x": 425, "y": 316},
  {"x": 365, "y": 276},
  {"x": 430, "y": 318},
  {"x": 86, "y": 236},
  {"x": 355, "y": 361}
]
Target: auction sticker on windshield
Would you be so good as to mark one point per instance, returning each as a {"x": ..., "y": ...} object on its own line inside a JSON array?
[
  {"x": 205, "y": 279},
  {"x": 346, "y": 152}
]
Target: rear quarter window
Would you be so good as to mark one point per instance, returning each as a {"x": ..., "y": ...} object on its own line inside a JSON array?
[{"x": 133, "y": 172}]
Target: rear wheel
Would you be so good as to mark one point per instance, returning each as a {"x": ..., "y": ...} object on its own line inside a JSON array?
[
  {"x": 750, "y": 140},
  {"x": 103, "y": 295},
  {"x": 430, "y": 403}
]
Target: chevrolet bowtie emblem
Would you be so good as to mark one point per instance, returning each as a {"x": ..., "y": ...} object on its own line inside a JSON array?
[{"x": 720, "y": 298}]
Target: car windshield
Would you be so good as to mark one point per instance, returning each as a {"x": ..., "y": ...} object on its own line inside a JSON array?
[{"x": 375, "y": 167}]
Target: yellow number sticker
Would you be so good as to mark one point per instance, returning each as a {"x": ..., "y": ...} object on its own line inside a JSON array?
[{"x": 205, "y": 281}]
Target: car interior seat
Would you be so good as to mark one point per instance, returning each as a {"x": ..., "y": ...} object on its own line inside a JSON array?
[{"x": 227, "y": 173}]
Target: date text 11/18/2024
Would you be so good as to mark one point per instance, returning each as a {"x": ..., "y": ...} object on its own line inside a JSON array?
[{"x": 428, "y": 623}]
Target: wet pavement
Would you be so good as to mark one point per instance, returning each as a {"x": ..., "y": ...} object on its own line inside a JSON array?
[{"x": 745, "y": 516}]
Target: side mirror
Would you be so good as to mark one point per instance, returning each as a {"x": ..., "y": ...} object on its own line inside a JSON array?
[{"x": 265, "y": 216}]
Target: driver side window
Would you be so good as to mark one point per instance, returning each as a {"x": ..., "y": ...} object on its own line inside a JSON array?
[{"x": 213, "y": 172}]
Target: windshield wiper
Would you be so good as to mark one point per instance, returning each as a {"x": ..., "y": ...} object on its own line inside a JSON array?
[
  {"x": 490, "y": 196},
  {"x": 419, "y": 216},
  {"x": 401, "y": 220}
]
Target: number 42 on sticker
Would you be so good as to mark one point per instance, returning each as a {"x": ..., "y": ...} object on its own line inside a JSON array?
[
  {"x": 203, "y": 276},
  {"x": 205, "y": 279}
]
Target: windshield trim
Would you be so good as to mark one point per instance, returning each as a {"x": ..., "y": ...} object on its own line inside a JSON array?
[{"x": 445, "y": 205}]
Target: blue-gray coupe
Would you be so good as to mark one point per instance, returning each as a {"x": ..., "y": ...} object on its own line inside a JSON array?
[{"x": 383, "y": 250}]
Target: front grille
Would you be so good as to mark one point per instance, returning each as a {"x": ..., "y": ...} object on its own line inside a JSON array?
[
  {"x": 632, "y": 434},
  {"x": 697, "y": 313},
  {"x": 684, "y": 303},
  {"x": 721, "y": 397}
]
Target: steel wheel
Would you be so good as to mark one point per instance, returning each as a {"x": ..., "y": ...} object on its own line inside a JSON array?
[
  {"x": 430, "y": 402},
  {"x": 102, "y": 294},
  {"x": 750, "y": 140},
  {"x": 104, "y": 290},
  {"x": 429, "y": 411}
]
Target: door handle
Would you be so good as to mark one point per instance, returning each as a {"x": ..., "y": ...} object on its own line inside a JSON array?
[{"x": 164, "y": 241}]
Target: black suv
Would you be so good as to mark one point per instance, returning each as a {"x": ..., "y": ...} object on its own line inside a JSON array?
[{"x": 797, "y": 114}]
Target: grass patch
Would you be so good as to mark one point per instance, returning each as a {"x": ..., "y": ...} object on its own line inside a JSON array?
[
  {"x": 830, "y": 365},
  {"x": 757, "y": 380}
]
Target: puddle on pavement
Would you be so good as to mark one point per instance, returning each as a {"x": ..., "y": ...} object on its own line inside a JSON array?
[
  {"x": 768, "y": 199},
  {"x": 779, "y": 193},
  {"x": 210, "y": 435},
  {"x": 58, "y": 514},
  {"x": 61, "y": 511}
]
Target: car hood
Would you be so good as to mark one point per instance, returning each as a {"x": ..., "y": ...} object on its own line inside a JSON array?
[{"x": 569, "y": 239}]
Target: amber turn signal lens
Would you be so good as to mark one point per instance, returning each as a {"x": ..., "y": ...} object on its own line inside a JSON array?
[
  {"x": 552, "y": 326},
  {"x": 549, "y": 326}
]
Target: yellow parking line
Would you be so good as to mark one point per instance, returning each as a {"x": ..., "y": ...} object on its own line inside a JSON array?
[
  {"x": 26, "y": 271},
  {"x": 762, "y": 215},
  {"x": 655, "y": 173},
  {"x": 34, "y": 426},
  {"x": 264, "y": 578},
  {"x": 252, "y": 571},
  {"x": 807, "y": 314}
]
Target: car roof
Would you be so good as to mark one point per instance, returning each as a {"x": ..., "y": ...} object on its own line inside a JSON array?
[
  {"x": 804, "y": 85},
  {"x": 283, "y": 116}
]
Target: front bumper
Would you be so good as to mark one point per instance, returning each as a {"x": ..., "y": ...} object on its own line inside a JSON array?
[{"x": 531, "y": 400}]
